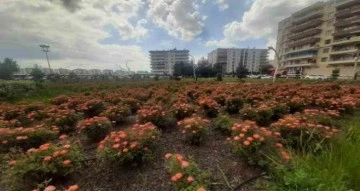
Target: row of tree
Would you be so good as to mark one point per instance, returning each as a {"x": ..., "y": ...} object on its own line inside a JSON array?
[{"x": 206, "y": 70}]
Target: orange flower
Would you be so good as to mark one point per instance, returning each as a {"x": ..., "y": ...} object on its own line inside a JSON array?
[
  {"x": 168, "y": 155},
  {"x": 63, "y": 136},
  {"x": 184, "y": 164},
  {"x": 190, "y": 179},
  {"x": 67, "y": 146},
  {"x": 250, "y": 139},
  {"x": 56, "y": 154},
  {"x": 201, "y": 189},
  {"x": 4, "y": 142},
  {"x": 47, "y": 158},
  {"x": 12, "y": 162},
  {"x": 66, "y": 162},
  {"x": 256, "y": 136},
  {"x": 63, "y": 152},
  {"x": 73, "y": 187},
  {"x": 178, "y": 175},
  {"x": 246, "y": 143},
  {"x": 125, "y": 150},
  {"x": 279, "y": 145},
  {"x": 50, "y": 188},
  {"x": 116, "y": 146}
]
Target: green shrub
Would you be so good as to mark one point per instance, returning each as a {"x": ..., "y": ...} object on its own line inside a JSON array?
[
  {"x": 117, "y": 114},
  {"x": 64, "y": 119},
  {"x": 233, "y": 105},
  {"x": 11, "y": 90},
  {"x": 223, "y": 123},
  {"x": 194, "y": 129}
]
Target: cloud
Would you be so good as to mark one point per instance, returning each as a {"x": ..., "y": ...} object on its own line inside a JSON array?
[
  {"x": 222, "y": 4},
  {"x": 260, "y": 21},
  {"x": 180, "y": 18},
  {"x": 74, "y": 36}
]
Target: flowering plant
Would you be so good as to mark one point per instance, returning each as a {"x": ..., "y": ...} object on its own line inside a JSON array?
[
  {"x": 194, "y": 128},
  {"x": 182, "y": 110},
  {"x": 95, "y": 128},
  {"x": 210, "y": 107},
  {"x": 223, "y": 123},
  {"x": 92, "y": 108},
  {"x": 156, "y": 115},
  {"x": 65, "y": 119},
  {"x": 233, "y": 104},
  {"x": 47, "y": 161},
  {"x": 131, "y": 145},
  {"x": 25, "y": 138},
  {"x": 186, "y": 175},
  {"x": 255, "y": 143},
  {"x": 117, "y": 114}
]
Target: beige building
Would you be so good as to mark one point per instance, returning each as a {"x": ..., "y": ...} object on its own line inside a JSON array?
[
  {"x": 163, "y": 62},
  {"x": 320, "y": 38},
  {"x": 231, "y": 58}
]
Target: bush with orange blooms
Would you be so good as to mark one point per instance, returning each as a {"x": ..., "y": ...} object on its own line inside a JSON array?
[
  {"x": 65, "y": 119},
  {"x": 302, "y": 134},
  {"x": 95, "y": 128},
  {"x": 194, "y": 129},
  {"x": 209, "y": 106},
  {"x": 185, "y": 174},
  {"x": 133, "y": 145},
  {"x": 25, "y": 138},
  {"x": 45, "y": 162},
  {"x": 233, "y": 104},
  {"x": 117, "y": 114},
  {"x": 156, "y": 115},
  {"x": 92, "y": 108},
  {"x": 182, "y": 110},
  {"x": 256, "y": 143}
]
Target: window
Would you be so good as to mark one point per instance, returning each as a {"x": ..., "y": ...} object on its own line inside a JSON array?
[
  {"x": 329, "y": 32},
  {"x": 324, "y": 59},
  {"x": 326, "y": 50},
  {"x": 328, "y": 41}
]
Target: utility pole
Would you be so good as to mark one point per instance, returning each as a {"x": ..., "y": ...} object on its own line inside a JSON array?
[
  {"x": 45, "y": 48},
  {"x": 127, "y": 65},
  {"x": 278, "y": 62},
  {"x": 194, "y": 66}
]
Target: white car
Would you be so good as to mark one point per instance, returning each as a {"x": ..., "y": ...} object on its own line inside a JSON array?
[
  {"x": 266, "y": 77},
  {"x": 315, "y": 77}
]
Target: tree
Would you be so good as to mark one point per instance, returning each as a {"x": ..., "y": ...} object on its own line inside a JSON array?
[
  {"x": 37, "y": 74},
  {"x": 335, "y": 73},
  {"x": 266, "y": 68},
  {"x": 183, "y": 69},
  {"x": 241, "y": 71},
  {"x": 8, "y": 68},
  {"x": 205, "y": 71}
]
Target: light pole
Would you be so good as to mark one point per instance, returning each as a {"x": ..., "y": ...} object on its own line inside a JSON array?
[
  {"x": 45, "y": 48},
  {"x": 194, "y": 66},
  {"x": 127, "y": 65},
  {"x": 356, "y": 63},
  {"x": 278, "y": 62}
]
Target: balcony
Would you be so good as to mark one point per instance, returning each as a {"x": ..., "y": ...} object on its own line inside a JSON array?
[
  {"x": 347, "y": 12},
  {"x": 347, "y": 22},
  {"x": 347, "y": 61},
  {"x": 300, "y": 65},
  {"x": 306, "y": 33},
  {"x": 347, "y": 32},
  {"x": 352, "y": 40},
  {"x": 308, "y": 17},
  {"x": 312, "y": 40},
  {"x": 310, "y": 24},
  {"x": 301, "y": 57},
  {"x": 342, "y": 4},
  {"x": 351, "y": 50}
]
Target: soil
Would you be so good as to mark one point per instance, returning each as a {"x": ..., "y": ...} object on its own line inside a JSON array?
[{"x": 212, "y": 155}]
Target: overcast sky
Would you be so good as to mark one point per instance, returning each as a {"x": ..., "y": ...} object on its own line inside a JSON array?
[{"x": 105, "y": 33}]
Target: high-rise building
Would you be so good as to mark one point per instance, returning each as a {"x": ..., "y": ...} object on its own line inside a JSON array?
[
  {"x": 162, "y": 62},
  {"x": 320, "y": 38},
  {"x": 231, "y": 58}
]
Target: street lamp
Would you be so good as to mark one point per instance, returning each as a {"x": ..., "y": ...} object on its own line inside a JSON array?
[
  {"x": 278, "y": 62},
  {"x": 194, "y": 66},
  {"x": 127, "y": 65},
  {"x": 45, "y": 48},
  {"x": 356, "y": 63}
]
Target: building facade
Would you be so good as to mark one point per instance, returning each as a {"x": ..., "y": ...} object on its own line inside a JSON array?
[
  {"x": 320, "y": 38},
  {"x": 231, "y": 58},
  {"x": 162, "y": 62}
]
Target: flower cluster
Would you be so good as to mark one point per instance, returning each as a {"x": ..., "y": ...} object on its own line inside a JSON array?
[
  {"x": 131, "y": 145},
  {"x": 65, "y": 119},
  {"x": 25, "y": 138},
  {"x": 233, "y": 104},
  {"x": 95, "y": 128},
  {"x": 182, "y": 110},
  {"x": 74, "y": 187},
  {"x": 92, "y": 108},
  {"x": 156, "y": 115},
  {"x": 185, "y": 174},
  {"x": 47, "y": 161},
  {"x": 194, "y": 129},
  {"x": 256, "y": 143},
  {"x": 210, "y": 106},
  {"x": 117, "y": 114}
]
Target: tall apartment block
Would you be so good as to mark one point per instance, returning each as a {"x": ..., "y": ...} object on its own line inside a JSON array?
[
  {"x": 231, "y": 58},
  {"x": 321, "y": 37},
  {"x": 162, "y": 62}
]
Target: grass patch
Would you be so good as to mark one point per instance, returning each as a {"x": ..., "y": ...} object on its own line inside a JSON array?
[{"x": 335, "y": 169}]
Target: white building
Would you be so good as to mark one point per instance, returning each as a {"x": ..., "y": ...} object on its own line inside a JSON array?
[
  {"x": 231, "y": 58},
  {"x": 162, "y": 62}
]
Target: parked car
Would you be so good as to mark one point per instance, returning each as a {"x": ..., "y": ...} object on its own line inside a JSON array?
[
  {"x": 315, "y": 77},
  {"x": 266, "y": 77}
]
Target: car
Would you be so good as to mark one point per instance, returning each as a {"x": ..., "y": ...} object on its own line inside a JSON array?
[
  {"x": 254, "y": 76},
  {"x": 315, "y": 77},
  {"x": 266, "y": 77}
]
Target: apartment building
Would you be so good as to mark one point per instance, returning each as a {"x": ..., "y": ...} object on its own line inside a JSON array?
[
  {"x": 320, "y": 38},
  {"x": 162, "y": 62},
  {"x": 231, "y": 58}
]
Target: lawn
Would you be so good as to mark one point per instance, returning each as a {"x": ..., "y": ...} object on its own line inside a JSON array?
[{"x": 182, "y": 136}]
